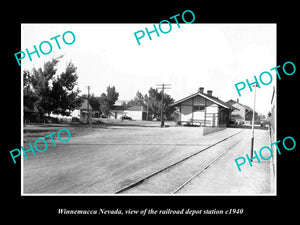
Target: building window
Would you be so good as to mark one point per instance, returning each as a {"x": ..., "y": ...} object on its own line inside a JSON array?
[{"x": 199, "y": 108}]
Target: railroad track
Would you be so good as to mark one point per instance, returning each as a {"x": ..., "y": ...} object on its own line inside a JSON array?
[
  {"x": 139, "y": 182},
  {"x": 201, "y": 170}
]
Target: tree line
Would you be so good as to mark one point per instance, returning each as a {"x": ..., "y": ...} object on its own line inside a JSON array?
[
  {"x": 46, "y": 91},
  {"x": 151, "y": 102}
]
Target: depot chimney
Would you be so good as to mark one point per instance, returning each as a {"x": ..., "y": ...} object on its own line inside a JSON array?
[
  {"x": 209, "y": 92},
  {"x": 201, "y": 89}
]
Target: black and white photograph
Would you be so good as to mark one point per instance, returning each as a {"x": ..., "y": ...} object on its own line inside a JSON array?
[
  {"x": 144, "y": 111},
  {"x": 159, "y": 116}
]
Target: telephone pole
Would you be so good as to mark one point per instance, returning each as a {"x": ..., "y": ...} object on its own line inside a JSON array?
[
  {"x": 253, "y": 119},
  {"x": 163, "y": 87},
  {"x": 88, "y": 105}
]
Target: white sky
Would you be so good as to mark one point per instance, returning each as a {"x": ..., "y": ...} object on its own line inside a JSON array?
[{"x": 213, "y": 56}]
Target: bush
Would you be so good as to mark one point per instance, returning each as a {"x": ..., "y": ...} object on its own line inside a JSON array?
[{"x": 75, "y": 119}]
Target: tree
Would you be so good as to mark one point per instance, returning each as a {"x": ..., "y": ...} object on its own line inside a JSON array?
[
  {"x": 104, "y": 106},
  {"x": 154, "y": 100},
  {"x": 40, "y": 80},
  {"x": 168, "y": 108},
  {"x": 29, "y": 96},
  {"x": 139, "y": 99},
  {"x": 152, "y": 103},
  {"x": 65, "y": 99},
  {"x": 54, "y": 93},
  {"x": 108, "y": 100},
  {"x": 94, "y": 102},
  {"x": 112, "y": 96}
]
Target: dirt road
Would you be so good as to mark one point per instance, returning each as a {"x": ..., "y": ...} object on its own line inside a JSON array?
[{"x": 104, "y": 160}]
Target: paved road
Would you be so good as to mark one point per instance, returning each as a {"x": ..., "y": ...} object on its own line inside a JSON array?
[{"x": 105, "y": 160}]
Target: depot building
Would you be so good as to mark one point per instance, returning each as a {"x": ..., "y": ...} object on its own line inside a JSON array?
[{"x": 203, "y": 109}]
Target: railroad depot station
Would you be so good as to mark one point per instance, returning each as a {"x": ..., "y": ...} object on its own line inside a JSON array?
[
  {"x": 137, "y": 157},
  {"x": 203, "y": 109},
  {"x": 199, "y": 109}
]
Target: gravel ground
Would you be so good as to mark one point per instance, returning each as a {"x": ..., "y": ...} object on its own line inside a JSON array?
[
  {"x": 100, "y": 160},
  {"x": 223, "y": 176}
]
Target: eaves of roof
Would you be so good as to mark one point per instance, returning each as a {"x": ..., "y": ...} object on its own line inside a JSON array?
[{"x": 211, "y": 98}]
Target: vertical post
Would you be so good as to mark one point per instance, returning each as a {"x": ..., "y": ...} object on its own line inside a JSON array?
[
  {"x": 162, "y": 108},
  {"x": 163, "y": 87},
  {"x": 204, "y": 113},
  {"x": 180, "y": 111},
  {"x": 88, "y": 107},
  {"x": 192, "y": 111},
  {"x": 147, "y": 110},
  {"x": 253, "y": 117}
]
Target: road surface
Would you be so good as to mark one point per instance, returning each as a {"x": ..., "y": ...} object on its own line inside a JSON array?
[{"x": 105, "y": 160}]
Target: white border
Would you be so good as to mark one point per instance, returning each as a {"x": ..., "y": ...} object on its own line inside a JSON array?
[{"x": 173, "y": 195}]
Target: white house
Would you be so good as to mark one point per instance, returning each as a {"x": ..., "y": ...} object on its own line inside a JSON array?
[
  {"x": 203, "y": 110},
  {"x": 136, "y": 112},
  {"x": 82, "y": 112},
  {"x": 242, "y": 113}
]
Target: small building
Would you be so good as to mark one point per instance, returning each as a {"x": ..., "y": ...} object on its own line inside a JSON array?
[
  {"x": 242, "y": 113},
  {"x": 136, "y": 112},
  {"x": 29, "y": 114},
  {"x": 203, "y": 109},
  {"x": 82, "y": 111},
  {"x": 272, "y": 115},
  {"x": 116, "y": 112}
]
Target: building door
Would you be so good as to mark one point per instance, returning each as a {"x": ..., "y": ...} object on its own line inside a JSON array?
[{"x": 199, "y": 115}]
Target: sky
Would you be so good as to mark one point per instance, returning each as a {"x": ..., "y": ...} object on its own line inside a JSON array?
[{"x": 213, "y": 56}]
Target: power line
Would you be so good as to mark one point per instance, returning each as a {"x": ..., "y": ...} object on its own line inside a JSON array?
[
  {"x": 88, "y": 105},
  {"x": 163, "y": 87}
]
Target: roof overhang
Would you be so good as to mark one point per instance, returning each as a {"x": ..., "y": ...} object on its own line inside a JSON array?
[{"x": 204, "y": 96}]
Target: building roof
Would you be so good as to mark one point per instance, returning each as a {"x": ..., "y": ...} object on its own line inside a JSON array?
[
  {"x": 209, "y": 97},
  {"x": 232, "y": 102},
  {"x": 29, "y": 110},
  {"x": 117, "y": 107},
  {"x": 130, "y": 108},
  {"x": 121, "y": 102},
  {"x": 84, "y": 105},
  {"x": 236, "y": 117},
  {"x": 135, "y": 108}
]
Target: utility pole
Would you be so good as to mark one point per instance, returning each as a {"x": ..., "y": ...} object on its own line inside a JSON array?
[
  {"x": 88, "y": 105},
  {"x": 163, "y": 87},
  {"x": 147, "y": 118},
  {"x": 253, "y": 117}
]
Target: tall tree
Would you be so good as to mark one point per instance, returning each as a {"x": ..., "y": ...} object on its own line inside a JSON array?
[
  {"x": 154, "y": 100},
  {"x": 152, "y": 103},
  {"x": 108, "y": 100},
  {"x": 95, "y": 102},
  {"x": 40, "y": 81},
  {"x": 112, "y": 96},
  {"x": 54, "y": 93},
  {"x": 168, "y": 108},
  {"x": 29, "y": 96},
  {"x": 64, "y": 97},
  {"x": 104, "y": 106},
  {"x": 139, "y": 99}
]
